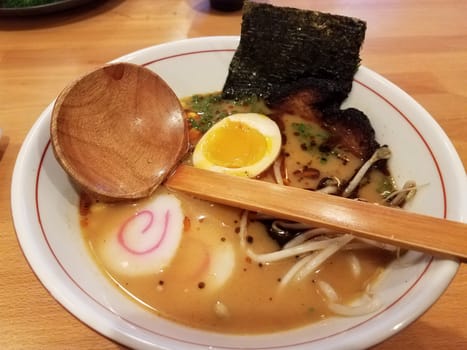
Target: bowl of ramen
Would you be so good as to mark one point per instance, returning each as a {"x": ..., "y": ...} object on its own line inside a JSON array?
[{"x": 175, "y": 272}]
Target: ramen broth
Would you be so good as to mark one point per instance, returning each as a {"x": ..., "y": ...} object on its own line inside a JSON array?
[{"x": 202, "y": 277}]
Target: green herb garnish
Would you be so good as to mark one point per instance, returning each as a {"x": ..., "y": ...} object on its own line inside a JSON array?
[
  {"x": 303, "y": 130},
  {"x": 211, "y": 108}
]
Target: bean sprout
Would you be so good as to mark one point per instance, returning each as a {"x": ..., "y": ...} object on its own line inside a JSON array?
[
  {"x": 323, "y": 255},
  {"x": 312, "y": 246},
  {"x": 355, "y": 265},
  {"x": 331, "y": 185},
  {"x": 381, "y": 245},
  {"x": 277, "y": 171},
  {"x": 309, "y": 234},
  {"x": 295, "y": 268},
  {"x": 368, "y": 303},
  {"x": 381, "y": 153},
  {"x": 398, "y": 197},
  {"x": 310, "y": 263},
  {"x": 290, "y": 252}
]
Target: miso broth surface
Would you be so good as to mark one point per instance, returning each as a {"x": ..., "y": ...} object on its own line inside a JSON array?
[
  {"x": 251, "y": 296},
  {"x": 250, "y": 301}
]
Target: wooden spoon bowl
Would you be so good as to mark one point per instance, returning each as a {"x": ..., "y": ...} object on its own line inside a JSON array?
[{"x": 118, "y": 131}]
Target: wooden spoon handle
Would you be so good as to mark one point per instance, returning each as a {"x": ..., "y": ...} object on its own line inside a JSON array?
[{"x": 390, "y": 225}]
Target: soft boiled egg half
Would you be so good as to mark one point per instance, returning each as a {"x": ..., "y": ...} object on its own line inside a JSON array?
[{"x": 243, "y": 144}]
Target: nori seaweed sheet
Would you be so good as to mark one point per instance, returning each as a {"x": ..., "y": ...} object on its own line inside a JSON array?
[{"x": 284, "y": 49}]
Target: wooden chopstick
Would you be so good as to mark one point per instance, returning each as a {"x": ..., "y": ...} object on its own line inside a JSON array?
[{"x": 435, "y": 236}]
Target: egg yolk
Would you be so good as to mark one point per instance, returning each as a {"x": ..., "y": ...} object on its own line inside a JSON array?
[{"x": 235, "y": 145}]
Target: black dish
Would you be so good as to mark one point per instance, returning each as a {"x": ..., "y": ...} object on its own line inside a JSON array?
[{"x": 40, "y": 9}]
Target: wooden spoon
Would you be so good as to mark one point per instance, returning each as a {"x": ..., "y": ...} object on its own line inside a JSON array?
[{"x": 119, "y": 131}]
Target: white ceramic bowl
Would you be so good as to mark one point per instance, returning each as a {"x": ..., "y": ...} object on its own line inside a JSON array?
[{"x": 44, "y": 207}]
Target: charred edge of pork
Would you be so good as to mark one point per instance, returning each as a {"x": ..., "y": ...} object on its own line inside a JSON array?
[{"x": 351, "y": 130}]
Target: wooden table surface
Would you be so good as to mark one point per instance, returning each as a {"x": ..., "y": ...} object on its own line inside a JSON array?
[{"x": 419, "y": 45}]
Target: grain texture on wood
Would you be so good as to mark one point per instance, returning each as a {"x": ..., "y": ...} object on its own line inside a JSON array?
[
  {"x": 118, "y": 131},
  {"x": 389, "y": 225}
]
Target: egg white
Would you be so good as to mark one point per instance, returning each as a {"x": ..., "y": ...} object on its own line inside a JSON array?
[{"x": 261, "y": 123}]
